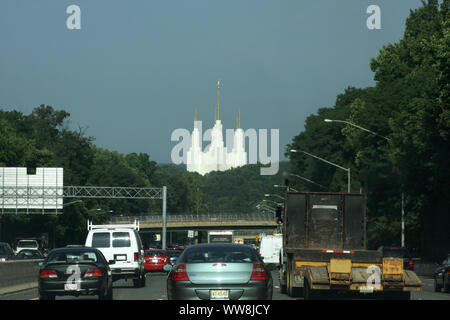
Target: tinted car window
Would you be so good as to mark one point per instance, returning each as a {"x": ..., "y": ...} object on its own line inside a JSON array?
[
  {"x": 29, "y": 254},
  {"x": 154, "y": 253},
  {"x": 73, "y": 256},
  {"x": 209, "y": 254},
  {"x": 121, "y": 239},
  {"x": 100, "y": 240},
  {"x": 27, "y": 244},
  {"x": 4, "y": 249}
]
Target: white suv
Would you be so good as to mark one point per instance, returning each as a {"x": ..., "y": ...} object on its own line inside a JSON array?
[{"x": 122, "y": 247}]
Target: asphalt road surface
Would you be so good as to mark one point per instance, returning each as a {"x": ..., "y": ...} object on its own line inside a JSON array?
[{"x": 155, "y": 289}]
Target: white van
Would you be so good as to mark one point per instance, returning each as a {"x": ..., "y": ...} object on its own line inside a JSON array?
[
  {"x": 26, "y": 244},
  {"x": 122, "y": 247},
  {"x": 270, "y": 247}
]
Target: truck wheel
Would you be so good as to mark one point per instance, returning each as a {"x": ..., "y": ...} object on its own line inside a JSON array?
[
  {"x": 307, "y": 293},
  {"x": 446, "y": 286},
  {"x": 437, "y": 287}
]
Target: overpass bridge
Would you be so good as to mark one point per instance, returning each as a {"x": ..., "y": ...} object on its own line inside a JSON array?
[{"x": 202, "y": 222}]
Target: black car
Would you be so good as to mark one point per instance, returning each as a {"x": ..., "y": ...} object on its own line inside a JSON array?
[
  {"x": 6, "y": 253},
  {"x": 442, "y": 276},
  {"x": 398, "y": 253},
  {"x": 75, "y": 271},
  {"x": 25, "y": 254}
]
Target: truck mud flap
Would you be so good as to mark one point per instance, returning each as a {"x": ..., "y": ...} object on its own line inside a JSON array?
[
  {"x": 392, "y": 273},
  {"x": 412, "y": 281},
  {"x": 340, "y": 272},
  {"x": 318, "y": 276}
]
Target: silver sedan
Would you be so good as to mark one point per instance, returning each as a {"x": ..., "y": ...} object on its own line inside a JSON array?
[{"x": 222, "y": 271}]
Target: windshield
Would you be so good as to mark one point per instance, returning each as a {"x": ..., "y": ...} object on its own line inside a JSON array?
[
  {"x": 207, "y": 254},
  {"x": 29, "y": 254},
  {"x": 73, "y": 256},
  {"x": 27, "y": 244}
]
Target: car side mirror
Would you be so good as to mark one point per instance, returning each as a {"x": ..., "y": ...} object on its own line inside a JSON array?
[
  {"x": 111, "y": 261},
  {"x": 167, "y": 268}
]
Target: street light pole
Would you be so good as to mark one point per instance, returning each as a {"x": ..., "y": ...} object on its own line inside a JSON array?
[
  {"x": 388, "y": 139},
  {"x": 329, "y": 162},
  {"x": 359, "y": 127},
  {"x": 303, "y": 178}
]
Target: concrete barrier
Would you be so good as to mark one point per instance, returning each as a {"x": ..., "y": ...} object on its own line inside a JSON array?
[{"x": 18, "y": 275}]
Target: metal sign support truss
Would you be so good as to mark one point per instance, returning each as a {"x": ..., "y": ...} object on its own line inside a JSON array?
[{"x": 29, "y": 200}]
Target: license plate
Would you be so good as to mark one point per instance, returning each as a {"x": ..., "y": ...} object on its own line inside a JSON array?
[
  {"x": 155, "y": 260},
  {"x": 121, "y": 257},
  {"x": 365, "y": 289},
  {"x": 71, "y": 287},
  {"x": 219, "y": 294}
]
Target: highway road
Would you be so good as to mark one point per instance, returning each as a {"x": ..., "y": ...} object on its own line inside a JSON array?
[{"x": 156, "y": 290}]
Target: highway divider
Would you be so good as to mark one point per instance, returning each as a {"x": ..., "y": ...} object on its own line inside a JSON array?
[{"x": 18, "y": 275}]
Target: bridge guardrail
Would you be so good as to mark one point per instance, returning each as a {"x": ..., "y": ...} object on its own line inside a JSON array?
[{"x": 195, "y": 217}]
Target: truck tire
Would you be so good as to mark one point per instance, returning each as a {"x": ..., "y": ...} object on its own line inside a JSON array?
[
  {"x": 308, "y": 293},
  {"x": 437, "y": 286}
]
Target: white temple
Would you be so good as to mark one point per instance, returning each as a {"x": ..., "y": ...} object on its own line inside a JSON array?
[{"x": 216, "y": 158}]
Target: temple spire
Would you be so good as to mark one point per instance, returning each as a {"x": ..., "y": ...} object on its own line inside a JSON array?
[
  {"x": 195, "y": 118},
  {"x": 238, "y": 125},
  {"x": 218, "y": 100}
]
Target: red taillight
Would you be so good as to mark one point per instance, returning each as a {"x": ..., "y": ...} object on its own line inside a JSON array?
[
  {"x": 258, "y": 272},
  {"x": 136, "y": 256},
  {"x": 93, "y": 273},
  {"x": 180, "y": 273},
  {"x": 48, "y": 274},
  {"x": 411, "y": 264}
]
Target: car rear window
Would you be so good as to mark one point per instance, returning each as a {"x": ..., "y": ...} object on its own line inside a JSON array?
[
  {"x": 73, "y": 256},
  {"x": 207, "y": 254},
  {"x": 27, "y": 244},
  {"x": 121, "y": 239},
  {"x": 101, "y": 240},
  {"x": 4, "y": 250},
  {"x": 154, "y": 253}
]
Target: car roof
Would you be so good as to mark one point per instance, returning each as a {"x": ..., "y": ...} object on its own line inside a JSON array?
[
  {"x": 77, "y": 248},
  {"x": 219, "y": 245}
]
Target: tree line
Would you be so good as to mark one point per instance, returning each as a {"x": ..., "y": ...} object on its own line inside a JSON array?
[{"x": 408, "y": 151}]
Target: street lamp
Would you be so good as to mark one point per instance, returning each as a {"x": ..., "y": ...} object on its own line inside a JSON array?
[
  {"x": 274, "y": 202},
  {"x": 296, "y": 175},
  {"x": 359, "y": 127},
  {"x": 329, "y": 162},
  {"x": 388, "y": 139},
  {"x": 290, "y": 188},
  {"x": 273, "y": 195}
]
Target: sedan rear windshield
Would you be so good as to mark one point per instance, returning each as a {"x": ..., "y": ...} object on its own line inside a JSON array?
[
  {"x": 73, "y": 256},
  {"x": 27, "y": 244},
  {"x": 155, "y": 253},
  {"x": 4, "y": 250},
  {"x": 207, "y": 254}
]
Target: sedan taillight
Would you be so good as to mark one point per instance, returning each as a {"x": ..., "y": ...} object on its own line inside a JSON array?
[
  {"x": 93, "y": 273},
  {"x": 45, "y": 274},
  {"x": 180, "y": 274},
  {"x": 411, "y": 264},
  {"x": 258, "y": 273}
]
